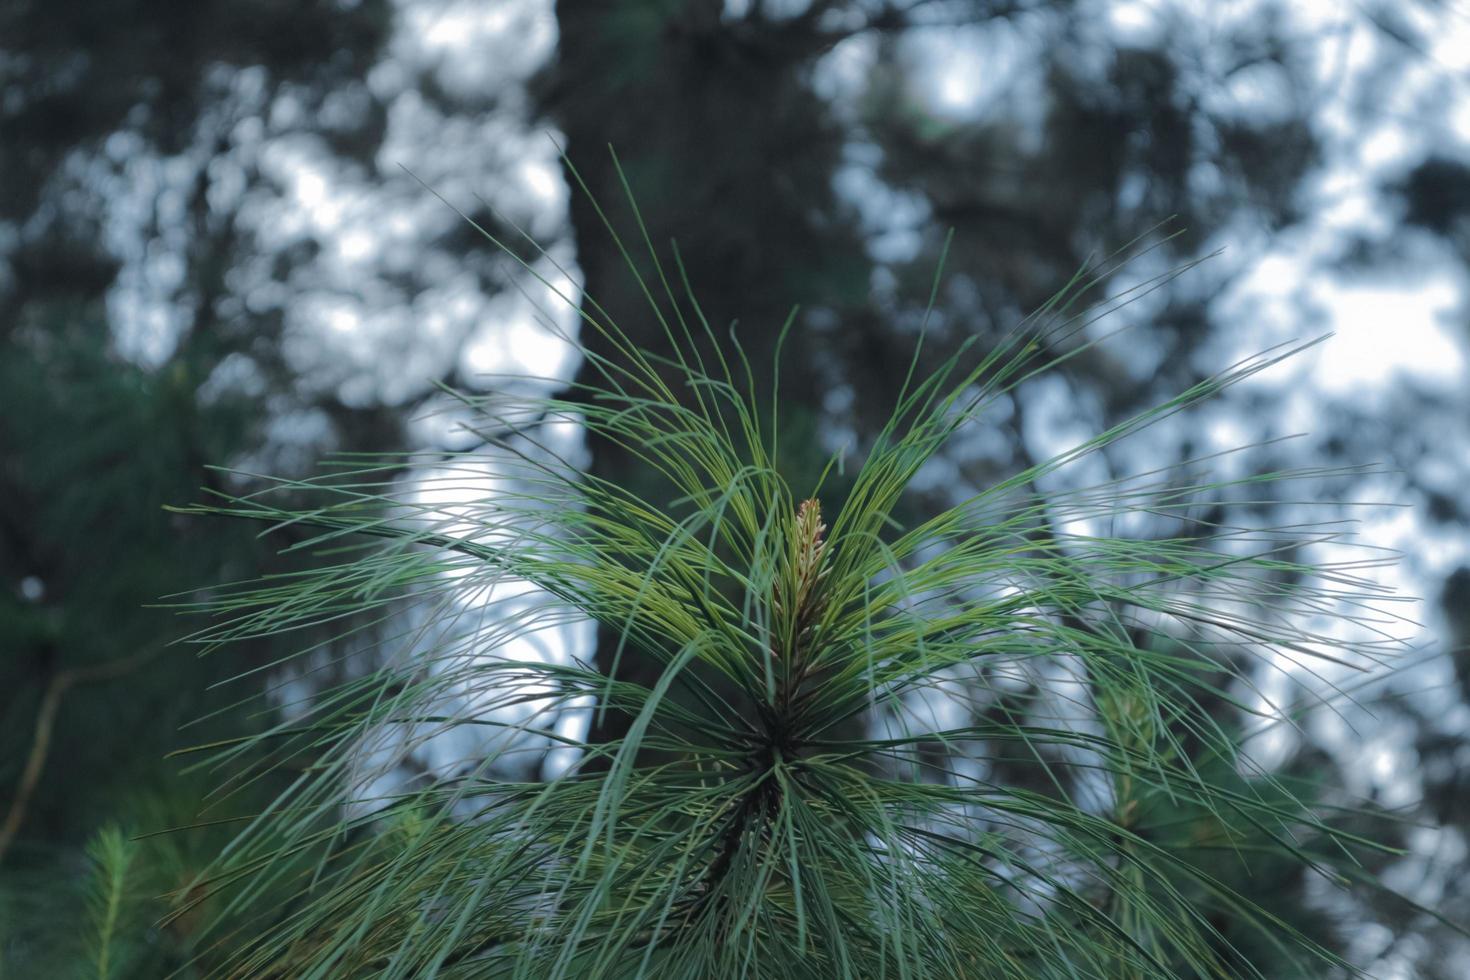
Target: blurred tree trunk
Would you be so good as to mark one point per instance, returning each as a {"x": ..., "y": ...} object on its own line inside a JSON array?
[{"x": 708, "y": 119}]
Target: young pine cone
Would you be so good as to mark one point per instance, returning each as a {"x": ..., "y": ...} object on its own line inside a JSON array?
[{"x": 808, "y": 572}]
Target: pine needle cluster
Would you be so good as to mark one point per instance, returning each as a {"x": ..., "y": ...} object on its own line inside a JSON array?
[{"x": 821, "y": 781}]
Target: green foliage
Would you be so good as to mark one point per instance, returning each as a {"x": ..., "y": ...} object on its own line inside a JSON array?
[
  {"x": 97, "y": 446},
  {"x": 114, "y": 911},
  {"x": 113, "y": 855},
  {"x": 818, "y": 781}
]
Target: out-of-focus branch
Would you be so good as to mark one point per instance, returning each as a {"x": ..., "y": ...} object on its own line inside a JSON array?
[
  {"x": 61, "y": 682},
  {"x": 894, "y": 18}
]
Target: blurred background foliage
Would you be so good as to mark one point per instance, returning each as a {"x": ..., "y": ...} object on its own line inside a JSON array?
[{"x": 215, "y": 249}]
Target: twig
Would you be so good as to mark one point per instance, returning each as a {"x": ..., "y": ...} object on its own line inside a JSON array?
[{"x": 61, "y": 682}]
